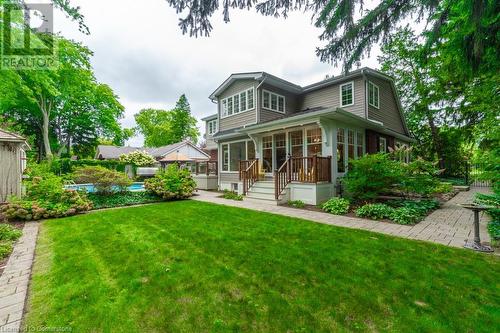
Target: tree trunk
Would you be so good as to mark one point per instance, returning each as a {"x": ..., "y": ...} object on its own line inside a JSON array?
[
  {"x": 45, "y": 109},
  {"x": 436, "y": 141}
]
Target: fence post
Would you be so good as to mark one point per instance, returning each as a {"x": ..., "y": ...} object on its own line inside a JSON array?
[{"x": 467, "y": 170}]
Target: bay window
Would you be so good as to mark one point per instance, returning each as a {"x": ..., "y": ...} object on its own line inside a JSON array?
[
  {"x": 359, "y": 144},
  {"x": 350, "y": 143}
]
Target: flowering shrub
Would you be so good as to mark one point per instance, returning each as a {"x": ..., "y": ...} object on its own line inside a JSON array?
[
  {"x": 105, "y": 181},
  {"x": 138, "y": 158},
  {"x": 337, "y": 206},
  {"x": 172, "y": 183},
  {"x": 45, "y": 198}
]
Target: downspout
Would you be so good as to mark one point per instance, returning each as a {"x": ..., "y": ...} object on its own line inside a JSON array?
[
  {"x": 257, "y": 106},
  {"x": 365, "y": 83}
]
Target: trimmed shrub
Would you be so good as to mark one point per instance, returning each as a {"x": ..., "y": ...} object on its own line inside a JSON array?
[
  {"x": 138, "y": 158},
  {"x": 371, "y": 175},
  {"x": 337, "y": 206},
  {"x": 296, "y": 203},
  {"x": 105, "y": 181},
  {"x": 375, "y": 211},
  {"x": 231, "y": 195},
  {"x": 64, "y": 166},
  {"x": 172, "y": 183}
]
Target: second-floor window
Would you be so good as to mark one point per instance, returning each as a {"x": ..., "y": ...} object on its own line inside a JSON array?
[
  {"x": 273, "y": 101},
  {"x": 240, "y": 102},
  {"x": 373, "y": 95},
  {"x": 347, "y": 94},
  {"x": 212, "y": 126}
]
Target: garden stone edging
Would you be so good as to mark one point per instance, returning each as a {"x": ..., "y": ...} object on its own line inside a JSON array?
[{"x": 15, "y": 279}]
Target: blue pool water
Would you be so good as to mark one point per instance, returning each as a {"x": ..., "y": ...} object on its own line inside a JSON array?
[{"x": 91, "y": 188}]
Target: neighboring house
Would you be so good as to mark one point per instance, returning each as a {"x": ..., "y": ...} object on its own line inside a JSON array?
[
  {"x": 183, "y": 152},
  {"x": 280, "y": 141},
  {"x": 211, "y": 127},
  {"x": 12, "y": 163}
]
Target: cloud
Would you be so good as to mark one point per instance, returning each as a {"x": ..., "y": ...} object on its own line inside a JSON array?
[{"x": 141, "y": 53}]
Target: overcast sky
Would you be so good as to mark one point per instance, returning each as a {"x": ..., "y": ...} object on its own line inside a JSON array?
[{"x": 141, "y": 53}]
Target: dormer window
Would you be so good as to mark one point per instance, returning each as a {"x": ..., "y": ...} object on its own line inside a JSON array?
[
  {"x": 273, "y": 101},
  {"x": 240, "y": 102},
  {"x": 347, "y": 94},
  {"x": 212, "y": 126}
]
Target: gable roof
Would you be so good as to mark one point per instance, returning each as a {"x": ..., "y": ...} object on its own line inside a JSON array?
[
  {"x": 11, "y": 137},
  {"x": 276, "y": 81},
  {"x": 113, "y": 152},
  {"x": 258, "y": 76}
]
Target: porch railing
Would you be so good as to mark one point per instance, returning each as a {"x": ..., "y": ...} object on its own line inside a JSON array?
[
  {"x": 249, "y": 173},
  {"x": 282, "y": 177},
  {"x": 206, "y": 168},
  {"x": 313, "y": 169}
]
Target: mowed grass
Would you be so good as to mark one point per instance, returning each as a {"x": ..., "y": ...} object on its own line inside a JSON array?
[{"x": 197, "y": 267}]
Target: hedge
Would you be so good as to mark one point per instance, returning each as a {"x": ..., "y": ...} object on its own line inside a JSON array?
[{"x": 66, "y": 165}]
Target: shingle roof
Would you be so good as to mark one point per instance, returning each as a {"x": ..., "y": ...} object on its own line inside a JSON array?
[
  {"x": 114, "y": 152},
  {"x": 9, "y": 136}
]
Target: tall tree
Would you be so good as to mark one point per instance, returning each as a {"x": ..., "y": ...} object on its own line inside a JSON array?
[
  {"x": 350, "y": 30},
  {"x": 162, "y": 127},
  {"x": 66, "y": 105}
]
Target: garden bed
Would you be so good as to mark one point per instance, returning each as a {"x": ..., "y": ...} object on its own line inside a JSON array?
[{"x": 8, "y": 237}]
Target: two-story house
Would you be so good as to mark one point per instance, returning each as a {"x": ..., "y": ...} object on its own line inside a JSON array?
[{"x": 277, "y": 140}]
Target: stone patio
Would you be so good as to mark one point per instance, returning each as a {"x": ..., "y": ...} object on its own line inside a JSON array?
[{"x": 450, "y": 225}]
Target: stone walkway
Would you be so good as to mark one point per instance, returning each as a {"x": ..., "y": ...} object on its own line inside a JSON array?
[
  {"x": 450, "y": 225},
  {"x": 15, "y": 280}
]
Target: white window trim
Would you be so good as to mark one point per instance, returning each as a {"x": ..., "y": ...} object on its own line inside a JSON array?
[
  {"x": 385, "y": 144},
  {"x": 229, "y": 155},
  {"x": 378, "y": 95},
  {"x": 277, "y": 97},
  {"x": 215, "y": 128},
  {"x": 340, "y": 93},
  {"x": 232, "y": 96}
]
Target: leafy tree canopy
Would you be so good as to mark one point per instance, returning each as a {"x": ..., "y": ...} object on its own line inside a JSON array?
[{"x": 162, "y": 127}]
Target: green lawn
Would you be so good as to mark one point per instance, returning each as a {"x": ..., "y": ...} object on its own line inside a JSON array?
[{"x": 197, "y": 267}]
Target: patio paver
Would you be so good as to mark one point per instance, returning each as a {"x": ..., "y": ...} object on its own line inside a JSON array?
[
  {"x": 449, "y": 225},
  {"x": 15, "y": 279}
]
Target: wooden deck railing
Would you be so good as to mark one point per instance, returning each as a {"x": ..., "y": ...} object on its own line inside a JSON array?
[
  {"x": 249, "y": 173},
  {"x": 206, "y": 168},
  {"x": 282, "y": 177},
  {"x": 313, "y": 169}
]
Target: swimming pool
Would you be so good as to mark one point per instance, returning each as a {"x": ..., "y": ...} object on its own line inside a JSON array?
[{"x": 135, "y": 187}]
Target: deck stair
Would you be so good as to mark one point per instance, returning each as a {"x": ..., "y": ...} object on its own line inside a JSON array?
[{"x": 262, "y": 190}]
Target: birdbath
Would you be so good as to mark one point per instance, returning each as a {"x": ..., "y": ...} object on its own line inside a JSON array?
[{"x": 476, "y": 244}]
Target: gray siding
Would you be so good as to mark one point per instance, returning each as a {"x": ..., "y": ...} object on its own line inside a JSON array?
[
  {"x": 10, "y": 170},
  {"x": 330, "y": 97},
  {"x": 241, "y": 119},
  {"x": 229, "y": 177},
  {"x": 208, "y": 138},
  {"x": 388, "y": 112},
  {"x": 292, "y": 103}
]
